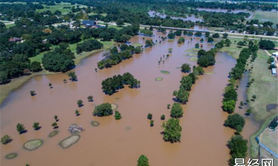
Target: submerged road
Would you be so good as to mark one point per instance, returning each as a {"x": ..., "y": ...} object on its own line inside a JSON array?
[{"x": 211, "y": 31}]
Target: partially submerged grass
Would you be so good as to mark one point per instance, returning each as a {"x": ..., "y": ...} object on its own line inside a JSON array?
[
  {"x": 69, "y": 141},
  {"x": 11, "y": 156},
  {"x": 158, "y": 78},
  {"x": 53, "y": 133},
  {"x": 95, "y": 123},
  {"x": 164, "y": 72},
  {"x": 33, "y": 144},
  {"x": 233, "y": 50}
]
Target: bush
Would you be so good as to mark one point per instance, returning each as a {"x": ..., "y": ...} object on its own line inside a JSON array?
[
  {"x": 185, "y": 68},
  {"x": 20, "y": 128},
  {"x": 176, "y": 111},
  {"x": 228, "y": 106},
  {"x": 172, "y": 130},
  {"x": 36, "y": 126},
  {"x": 35, "y": 67},
  {"x": 104, "y": 109},
  {"x": 151, "y": 123},
  {"x": 79, "y": 103},
  {"x": 235, "y": 121}
]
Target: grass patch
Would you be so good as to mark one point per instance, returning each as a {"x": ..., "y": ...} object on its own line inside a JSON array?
[
  {"x": 114, "y": 106},
  {"x": 64, "y": 8},
  {"x": 193, "y": 59},
  {"x": 11, "y": 156},
  {"x": 264, "y": 87},
  {"x": 33, "y": 144},
  {"x": 158, "y": 78},
  {"x": 53, "y": 133},
  {"x": 233, "y": 50},
  {"x": 264, "y": 16},
  {"x": 164, "y": 72},
  {"x": 69, "y": 141}
]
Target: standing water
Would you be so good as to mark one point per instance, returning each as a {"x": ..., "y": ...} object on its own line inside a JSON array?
[{"x": 121, "y": 142}]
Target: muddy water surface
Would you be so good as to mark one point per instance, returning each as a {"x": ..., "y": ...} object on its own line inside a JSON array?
[{"x": 121, "y": 142}]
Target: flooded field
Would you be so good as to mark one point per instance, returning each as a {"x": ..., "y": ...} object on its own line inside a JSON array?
[{"x": 121, "y": 142}]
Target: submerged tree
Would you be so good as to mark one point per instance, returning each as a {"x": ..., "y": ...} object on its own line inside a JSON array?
[
  {"x": 72, "y": 76},
  {"x": 90, "y": 99},
  {"x": 104, "y": 109},
  {"x": 20, "y": 128},
  {"x": 80, "y": 103},
  {"x": 54, "y": 125},
  {"x": 150, "y": 116},
  {"x": 176, "y": 111},
  {"x": 185, "y": 68},
  {"x": 143, "y": 161},
  {"x": 36, "y": 125},
  {"x": 6, "y": 139},
  {"x": 118, "y": 115},
  {"x": 172, "y": 130}
]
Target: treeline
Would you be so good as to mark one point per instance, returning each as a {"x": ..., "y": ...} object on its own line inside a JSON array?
[
  {"x": 113, "y": 84},
  {"x": 237, "y": 145},
  {"x": 115, "y": 56},
  {"x": 88, "y": 45}
]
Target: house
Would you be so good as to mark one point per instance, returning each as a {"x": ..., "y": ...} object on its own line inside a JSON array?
[
  {"x": 274, "y": 71},
  {"x": 88, "y": 23}
]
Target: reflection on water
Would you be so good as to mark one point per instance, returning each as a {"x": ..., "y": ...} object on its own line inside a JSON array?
[{"x": 121, "y": 142}]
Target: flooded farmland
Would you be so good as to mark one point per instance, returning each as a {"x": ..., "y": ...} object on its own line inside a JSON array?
[{"x": 203, "y": 140}]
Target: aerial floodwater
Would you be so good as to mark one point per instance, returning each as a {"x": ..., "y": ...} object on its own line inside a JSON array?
[{"x": 203, "y": 140}]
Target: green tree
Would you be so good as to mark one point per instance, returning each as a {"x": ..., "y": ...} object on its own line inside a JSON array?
[
  {"x": 72, "y": 76},
  {"x": 36, "y": 125},
  {"x": 79, "y": 103},
  {"x": 238, "y": 148},
  {"x": 20, "y": 128},
  {"x": 104, "y": 109},
  {"x": 90, "y": 99},
  {"x": 54, "y": 125},
  {"x": 143, "y": 161},
  {"x": 6, "y": 139},
  {"x": 151, "y": 123},
  {"x": 77, "y": 113},
  {"x": 229, "y": 106},
  {"x": 181, "y": 40},
  {"x": 118, "y": 115},
  {"x": 162, "y": 117},
  {"x": 172, "y": 130},
  {"x": 149, "y": 116},
  {"x": 185, "y": 68},
  {"x": 235, "y": 121},
  {"x": 176, "y": 111}
]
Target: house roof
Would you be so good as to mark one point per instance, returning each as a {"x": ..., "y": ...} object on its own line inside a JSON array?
[{"x": 88, "y": 22}]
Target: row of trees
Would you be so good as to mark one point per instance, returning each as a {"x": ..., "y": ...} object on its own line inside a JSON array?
[
  {"x": 186, "y": 83},
  {"x": 115, "y": 56},
  {"x": 112, "y": 84},
  {"x": 237, "y": 145}
]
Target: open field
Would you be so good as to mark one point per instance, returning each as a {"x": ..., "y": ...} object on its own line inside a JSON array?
[
  {"x": 266, "y": 16},
  {"x": 63, "y": 7},
  {"x": 264, "y": 87}
]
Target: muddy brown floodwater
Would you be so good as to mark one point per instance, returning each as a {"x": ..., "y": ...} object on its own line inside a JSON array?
[{"x": 120, "y": 143}]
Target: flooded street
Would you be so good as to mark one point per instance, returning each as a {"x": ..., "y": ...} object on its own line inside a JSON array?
[{"x": 203, "y": 141}]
